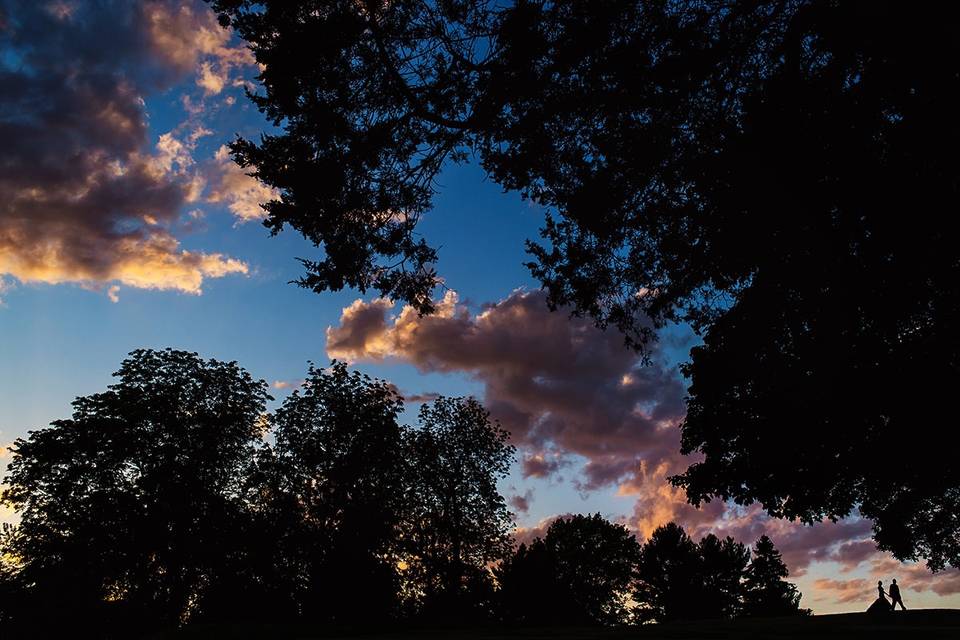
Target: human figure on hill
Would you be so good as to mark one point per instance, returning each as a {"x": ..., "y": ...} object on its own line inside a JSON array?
[
  {"x": 895, "y": 596},
  {"x": 880, "y": 605}
]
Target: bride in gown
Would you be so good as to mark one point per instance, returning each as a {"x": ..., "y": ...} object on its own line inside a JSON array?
[{"x": 881, "y": 604}]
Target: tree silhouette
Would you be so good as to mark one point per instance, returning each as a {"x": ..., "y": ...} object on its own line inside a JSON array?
[
  {"x": 457, "y": 521},
  {"x": 766, "y": 593},
  {"x": 130, "y": 509},
  {"x": 745, "y": 167},
  {"x": 669, "y": 582},
  {"x": 336, "y": 479},
  {"x": 722, "y": 565},
  {"x": 528, "y": 589},
  {"x": 581, "y": 572}
]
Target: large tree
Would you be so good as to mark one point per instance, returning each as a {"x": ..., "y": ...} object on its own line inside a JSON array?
[
  {"x": 722, "y": 566},
  {"x": 134, "y": 507},
  {"x": 457, "y": 523},
  {"x": 780, "y": 174},
  {"x": 669, "y": 579},
  {"x": 581, "y": 572},
  {"x": 766, "y": 592},
  {"x": 333, "y": 486}
]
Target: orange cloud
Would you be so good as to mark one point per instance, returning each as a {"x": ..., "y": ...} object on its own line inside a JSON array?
[{"x": 189, "y": 38}]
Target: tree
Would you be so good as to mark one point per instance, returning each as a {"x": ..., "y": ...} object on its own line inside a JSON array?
[
  {"x": 130, "y": 509},
  {"x": 528, "y": 589},
  {"x": 457, "y": 522},
  {"x": 722, "y": 565},
  {"x": 744, "y": 167},
  {"x": 766, "y": 593},
  {"x": 335, "y": 487},
  {"x": 669, "y": 582},
  {"x": 581, "y": 572}
]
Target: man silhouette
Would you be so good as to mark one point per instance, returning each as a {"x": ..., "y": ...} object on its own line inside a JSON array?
[{"x": 895, "y": 596}]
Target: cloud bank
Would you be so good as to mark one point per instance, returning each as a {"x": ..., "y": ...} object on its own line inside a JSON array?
[{"x": 83, "y": 197}]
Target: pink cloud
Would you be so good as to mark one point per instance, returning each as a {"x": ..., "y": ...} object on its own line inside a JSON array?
[{"x": 553, "y": 381}]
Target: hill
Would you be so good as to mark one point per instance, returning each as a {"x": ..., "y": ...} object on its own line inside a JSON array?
[{"x": 921, "y": 623}]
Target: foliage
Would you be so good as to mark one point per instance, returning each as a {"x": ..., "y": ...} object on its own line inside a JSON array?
[
  {"x": 581, "y": 572},
  {"x": 457, "y": 522},
  {"x": 747, "y": 167},
  {"x": 678, "y": 579},
  {"x": 131, "y": 507},
  {"x": 336, "y": 475},
  {"x": 162, "y": 502},
  {"x": 669, "y": 584},
  {"x": 722, "y": 566},
  {"x": 766, "y": 593}
]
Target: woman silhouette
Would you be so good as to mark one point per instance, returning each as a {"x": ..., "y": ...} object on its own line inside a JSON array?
[{"x": 880, "y": 605}]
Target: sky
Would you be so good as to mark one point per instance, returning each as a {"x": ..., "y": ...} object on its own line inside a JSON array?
[{"x": 124, "y": 224}]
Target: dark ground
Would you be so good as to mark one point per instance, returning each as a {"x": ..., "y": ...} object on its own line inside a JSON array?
[{"x": 905, "y": 625}]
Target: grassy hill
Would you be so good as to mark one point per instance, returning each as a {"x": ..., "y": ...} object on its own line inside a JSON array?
[{"x": 906, "y": 625}]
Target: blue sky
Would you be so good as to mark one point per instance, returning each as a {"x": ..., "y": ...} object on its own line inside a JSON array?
[{"x": 66, "y": 325}]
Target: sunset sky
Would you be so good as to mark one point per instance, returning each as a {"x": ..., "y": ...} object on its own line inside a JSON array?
[{"x": 125, "y": 224}]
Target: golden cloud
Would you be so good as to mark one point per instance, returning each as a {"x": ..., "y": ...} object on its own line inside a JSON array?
[{"x": 243, "y": 194}]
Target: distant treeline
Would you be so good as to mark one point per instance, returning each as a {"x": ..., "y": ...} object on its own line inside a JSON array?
[{"x": 174, "y": 498}]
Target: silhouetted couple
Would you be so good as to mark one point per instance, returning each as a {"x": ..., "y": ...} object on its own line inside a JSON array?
[{"x": 881, "y": 604}]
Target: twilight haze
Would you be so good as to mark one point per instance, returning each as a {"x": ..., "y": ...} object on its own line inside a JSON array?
[{"x": 125, "y": 224}]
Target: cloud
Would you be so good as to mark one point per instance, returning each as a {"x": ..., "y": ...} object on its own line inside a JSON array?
[
  {"x": 851, "y": 555},
  {"x": 282, "y": 385},
  {"x": 572, "y": 394},
  {"x": 541, "y": 464},
  {"x": 845, "y": 591},
  {"x": 428, "y": 396},
  {"x": 910, "y": 577},
  {"x": 522, "y": 502},
  {"x": 554, "y": 382},
  {"x": 914, "y": 576},
  {"x": 526, "y": 535},
  {"x": 230, "y": 184},
  {"x": 188, "y": 38},
  {"x": 6, "y": 285},
  {"x": 81, "y": 201}
]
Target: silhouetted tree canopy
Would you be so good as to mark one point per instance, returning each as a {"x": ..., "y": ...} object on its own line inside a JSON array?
[
  {"x": 337, "y": 476},
  {"x": 581, "y": 572},
  {"x": 766, "y": 593},
  {"x": 174, "y": 498},
  {"x": 457, "y": 523},
  {"x": 133, "y": 508},
  {"x": 669, "y": 585},
  {"x": 722, "y": 566},
  {"x": 778, "y": 174},
  {"x": 679, "y": 579}
]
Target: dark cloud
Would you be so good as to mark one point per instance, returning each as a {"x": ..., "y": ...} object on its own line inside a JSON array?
[
  {"x": 428, "y": 396},
  {"x": 83, "y": 197},
  {"x": 851, "y": 555},
  {"x": 541, "y": 465},
  {"x": 522, "y": 502}
]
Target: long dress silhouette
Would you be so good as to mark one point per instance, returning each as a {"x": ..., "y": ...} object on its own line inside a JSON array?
[{"x": 881, "y": 604}]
